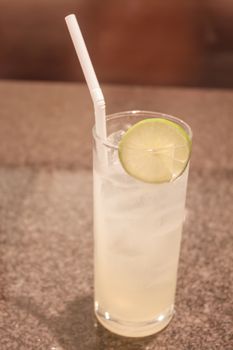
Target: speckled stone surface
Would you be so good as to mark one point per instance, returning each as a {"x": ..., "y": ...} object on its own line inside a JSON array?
[{"x": 46, "y": 278}]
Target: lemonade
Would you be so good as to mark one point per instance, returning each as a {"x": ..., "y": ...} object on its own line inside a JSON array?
[{"x": 137, "y": 230}]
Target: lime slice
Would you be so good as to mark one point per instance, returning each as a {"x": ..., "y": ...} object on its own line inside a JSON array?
[{"x": 155, "y": 150}]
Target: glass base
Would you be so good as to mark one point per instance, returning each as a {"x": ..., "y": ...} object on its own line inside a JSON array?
[{"x": 135, "y": 329}]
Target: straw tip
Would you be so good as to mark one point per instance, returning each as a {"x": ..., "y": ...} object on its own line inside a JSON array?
[{"x": 69, "y": 17}]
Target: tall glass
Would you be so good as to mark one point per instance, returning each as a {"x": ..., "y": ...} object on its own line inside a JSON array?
[{"x": 137, "y": 234}]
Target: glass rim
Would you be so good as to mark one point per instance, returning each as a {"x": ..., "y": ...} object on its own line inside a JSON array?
[{"x": 152, "y": 114}]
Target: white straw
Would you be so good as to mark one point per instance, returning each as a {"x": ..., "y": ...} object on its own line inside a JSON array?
[{"x": 89, "y": 73}]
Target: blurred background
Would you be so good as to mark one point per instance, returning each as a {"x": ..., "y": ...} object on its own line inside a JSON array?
[{"x": 156, "y": 42}]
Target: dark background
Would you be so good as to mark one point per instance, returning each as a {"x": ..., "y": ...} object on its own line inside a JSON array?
[{"x": 157, "y": 42}]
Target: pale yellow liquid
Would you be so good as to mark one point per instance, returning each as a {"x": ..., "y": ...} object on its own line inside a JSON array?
[{"x": 137, "y": 230}]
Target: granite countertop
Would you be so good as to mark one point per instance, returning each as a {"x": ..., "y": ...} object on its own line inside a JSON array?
[{"x": 46, "y": 246}]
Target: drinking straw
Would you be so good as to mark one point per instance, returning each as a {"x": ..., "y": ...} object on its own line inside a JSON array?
[{"x": 90, "y": 76}]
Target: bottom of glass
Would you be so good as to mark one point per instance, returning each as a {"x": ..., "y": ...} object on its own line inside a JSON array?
[{"x": 135, "y": 329}]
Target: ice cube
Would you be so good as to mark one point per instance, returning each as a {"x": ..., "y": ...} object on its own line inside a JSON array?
[{"x": 115, "y": 137}]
